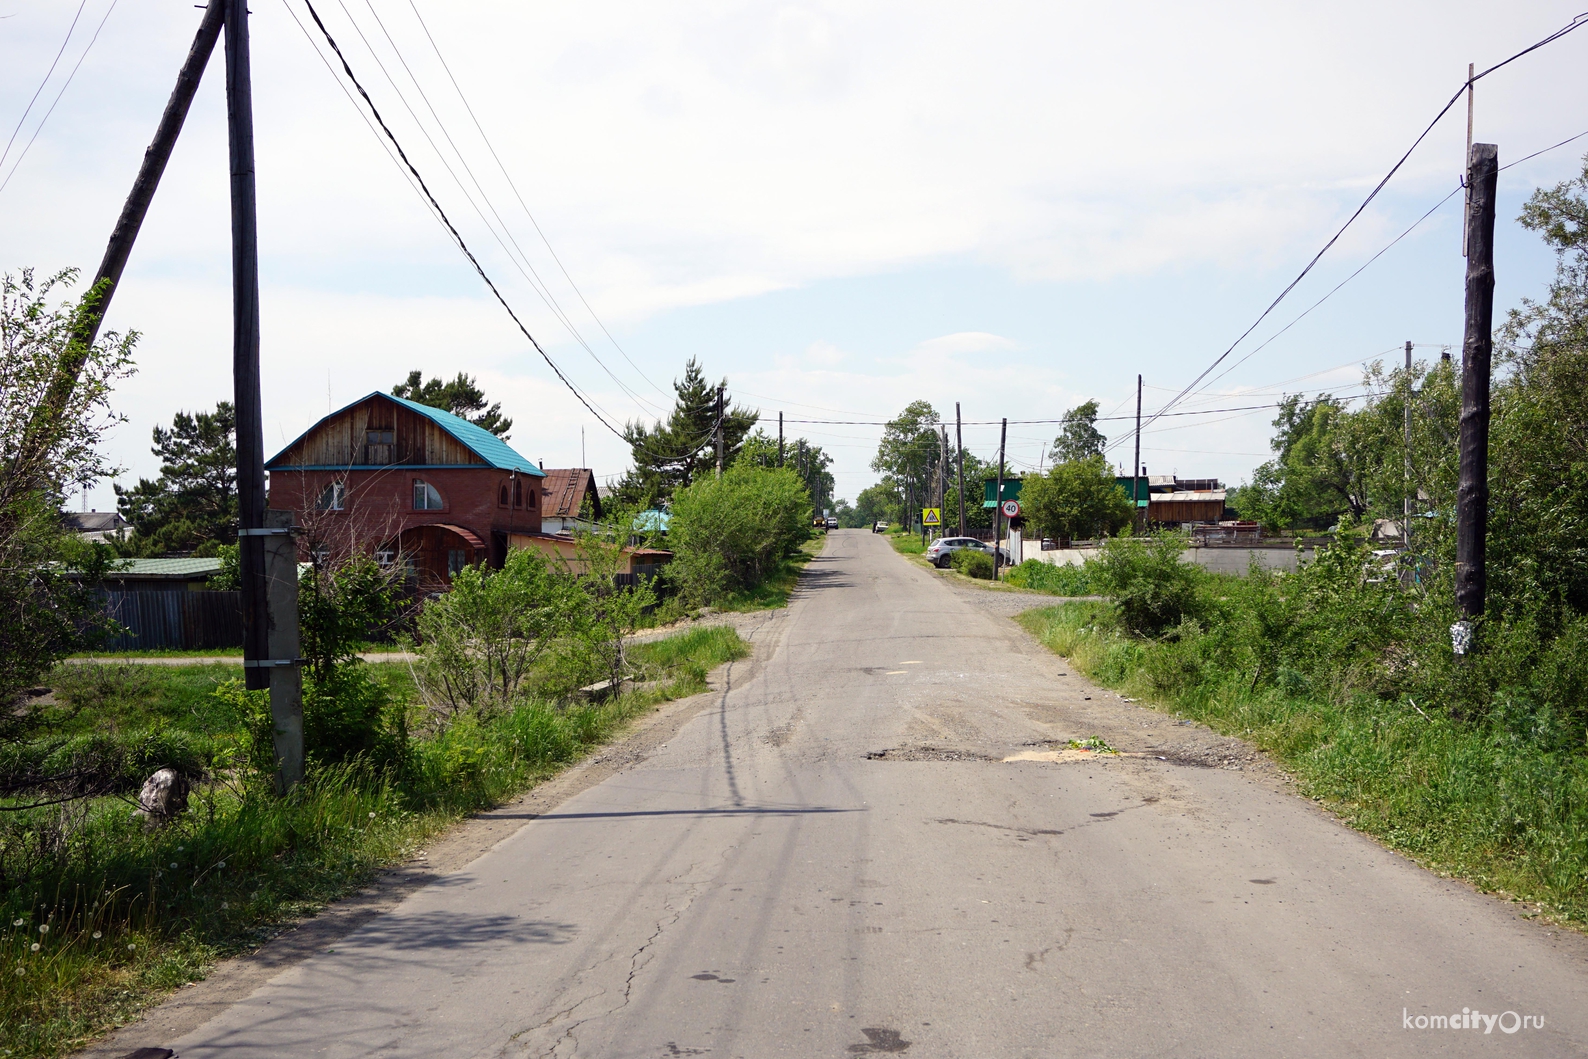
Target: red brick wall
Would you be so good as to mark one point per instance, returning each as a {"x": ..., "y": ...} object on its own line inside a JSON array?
[{"x": 379, "y": 504}]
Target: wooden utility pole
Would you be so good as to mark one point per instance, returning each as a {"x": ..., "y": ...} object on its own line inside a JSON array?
[
  {"x": 998, "y": 498},
  {"x": 123, "y": 236},
  {"x": 1472, "y": 492},
  {"x": 959, "y": 459},
  {"x": 942, "y": 472},
  {"x": 780, "y": 439},
  {"x": 719, "y": 431},
  {"x": 267, "y": 554},
  {"x": 1135, "y": 467}
]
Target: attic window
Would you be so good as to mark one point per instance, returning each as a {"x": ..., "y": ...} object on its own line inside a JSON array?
[
  {"x": 378, "y": 446},
  {"x": 426, "y": 498},
  {"x": 502, "y": 500},
  {"x": 518, "y": 493}
]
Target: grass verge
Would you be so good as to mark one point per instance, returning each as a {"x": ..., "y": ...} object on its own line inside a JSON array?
[
  {"x": 1470, "y": 799},
  {"x": 102, "y": 917},
  {"x": 772, "y": 591}
]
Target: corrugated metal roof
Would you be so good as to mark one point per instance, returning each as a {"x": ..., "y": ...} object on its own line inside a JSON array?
[
  {"x": 484, "y": 444},
  {"x": 165, "y": 567},
  {"x": 1188, "y": 494}
]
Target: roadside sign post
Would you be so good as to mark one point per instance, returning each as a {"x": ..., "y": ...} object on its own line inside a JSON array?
[
  {"x": 1011, "y": 511},
  {"x": 931, "y": 516}
]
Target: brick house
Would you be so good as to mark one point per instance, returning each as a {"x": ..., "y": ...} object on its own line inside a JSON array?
[{"x": 412, "y": 483}]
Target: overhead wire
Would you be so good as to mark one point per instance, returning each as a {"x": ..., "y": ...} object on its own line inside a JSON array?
[
  {"x": 520, "y": 261},
  {"x": 522, "y": 204},
  {"x": 67, "y": 84},
  {"x": 1576, "y": 23},
  {"x": 47, "y": 75},
  {"x": 451, "y": 228}
]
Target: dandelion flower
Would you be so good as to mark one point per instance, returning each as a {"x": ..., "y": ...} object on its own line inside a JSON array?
[
  {"x": 225, "y": 905},
  {"x": 16, "y": 922},
  {"x": 20, "y": 970},
  {"x": 131, "y": 947},
  {"x": 173, "y": 865},
  {"x": 372, "y": 816},
  {"x": 97, "y": 935},
  {"x": 220, "y": 864},
  {"x": 34, "y": 947},
  {"x": 44, "y": 928}
]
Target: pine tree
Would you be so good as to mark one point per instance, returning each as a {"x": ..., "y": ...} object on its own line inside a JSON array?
[
  {"x": 462, "y": 397},
  {"x": 671, "y": 455}
]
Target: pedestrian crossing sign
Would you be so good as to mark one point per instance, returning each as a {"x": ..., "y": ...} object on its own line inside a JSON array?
[{"x": 931, "y": 516}]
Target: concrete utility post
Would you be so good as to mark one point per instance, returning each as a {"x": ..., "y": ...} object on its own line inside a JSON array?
[
  {"x": 780, "y": 439},
  {"x": 998, "y": 498},
  {"x": 1135, "y": 468},
  {"x": 1472, "y": 492},
  {"x": 959, "y": 459},
  {"x": 267, "y": 553},
  {"x": 719, "y": 431},
  {"x": 1406, "y": 427}
]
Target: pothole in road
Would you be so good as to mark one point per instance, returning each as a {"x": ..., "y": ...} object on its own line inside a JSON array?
[{"x": 927, "y": 753}]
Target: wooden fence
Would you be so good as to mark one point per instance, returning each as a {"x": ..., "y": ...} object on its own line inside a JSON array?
[{"x": 174, "y": 619}]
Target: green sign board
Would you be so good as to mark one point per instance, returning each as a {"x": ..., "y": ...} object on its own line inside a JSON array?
[{"x": 990, "y": 486}]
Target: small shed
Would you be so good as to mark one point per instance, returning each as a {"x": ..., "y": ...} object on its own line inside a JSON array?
[{"x": 571, "y": 499}]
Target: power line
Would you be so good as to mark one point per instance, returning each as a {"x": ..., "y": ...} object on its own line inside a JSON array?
[
  {"x": 521, "y": 260},
  {"x": 522, "y": 204},
  {"x": 47, "y": 75},
  {"x": 1575, "y": 23},
  {"x": 450, "y": 227},
  {"x": 40, "y": 128}
]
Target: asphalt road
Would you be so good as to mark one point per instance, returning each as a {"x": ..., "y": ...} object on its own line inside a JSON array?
[{"x": 834, "y": 859}]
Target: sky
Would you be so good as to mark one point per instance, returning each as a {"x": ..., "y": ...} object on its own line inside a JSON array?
[{"x": 840, "y": 208}]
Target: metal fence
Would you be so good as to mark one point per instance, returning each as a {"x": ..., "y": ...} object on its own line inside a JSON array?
[{"x": 174, "y": 619}]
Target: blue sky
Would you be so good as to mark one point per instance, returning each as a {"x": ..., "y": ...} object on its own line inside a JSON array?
[{"x": 838, "y": 206}]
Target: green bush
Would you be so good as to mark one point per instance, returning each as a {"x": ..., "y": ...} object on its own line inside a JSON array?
[
  {"x": 972, "y": 562},
  {"x": 1054, "y": 579},
  {"x": 1154, "y": 589},
  {"x": 729, "y": 533}
]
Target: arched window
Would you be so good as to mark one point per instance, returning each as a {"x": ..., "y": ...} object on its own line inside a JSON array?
[
  {"x": 518, "y": 492},
  {"x": 426, "y": 498},
  {"x": 502, "y": 499}
]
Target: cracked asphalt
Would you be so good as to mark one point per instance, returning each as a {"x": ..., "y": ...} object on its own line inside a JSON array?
[{"x": 834, "y": 858}]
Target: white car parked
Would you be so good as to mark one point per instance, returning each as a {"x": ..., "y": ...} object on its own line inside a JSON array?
[{"x": 941, "y": 551}]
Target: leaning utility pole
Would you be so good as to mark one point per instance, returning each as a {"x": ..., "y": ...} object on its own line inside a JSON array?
[
  {"x": 718, "y": 431},
  {"x": 1472, "y": 492},
  {"x": 998, "y": 498},
  {"x": 1135, "y": 468},
  {"x": 122, "y": 237}
]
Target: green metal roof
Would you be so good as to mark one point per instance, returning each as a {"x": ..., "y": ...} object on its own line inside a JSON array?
[{"x": 484, "y": 444}]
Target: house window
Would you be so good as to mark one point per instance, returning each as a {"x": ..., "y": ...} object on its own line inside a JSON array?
[
  {"x": 457, "y": 559},
  {"x": 425, "y": 496},
  {"x": 385, "y": 556},
  {"x": 332, "y": 498},
  {"x": 378, "y": 446},
  {"x": 502, "y": 502},
  {"x": 518, "y": 493}
]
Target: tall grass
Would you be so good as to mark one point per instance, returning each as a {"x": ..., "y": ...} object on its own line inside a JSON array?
[
  {"x": 101, "y": 914},
  {"x": 1053, "y": 579},
  {"x": 1496, "y": 799}
]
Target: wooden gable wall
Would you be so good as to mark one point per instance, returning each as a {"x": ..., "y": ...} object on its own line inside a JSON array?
[{"x": 340, "y": 441}]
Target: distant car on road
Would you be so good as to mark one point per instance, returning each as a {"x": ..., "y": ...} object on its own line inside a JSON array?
[
  {"x": 832, "y": 523},
  {"x": 880, "y": 527},
  {"x": 941, "y": 551}
]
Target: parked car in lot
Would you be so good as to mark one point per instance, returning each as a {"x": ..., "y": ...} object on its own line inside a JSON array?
[{"x": 941, "y": 551}]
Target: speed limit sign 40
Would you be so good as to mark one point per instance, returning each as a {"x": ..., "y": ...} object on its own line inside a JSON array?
[{"x": 1011, "y": 509}]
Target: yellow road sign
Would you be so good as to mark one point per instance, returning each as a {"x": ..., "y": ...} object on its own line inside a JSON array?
[{"x": 931, "y": 516}]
